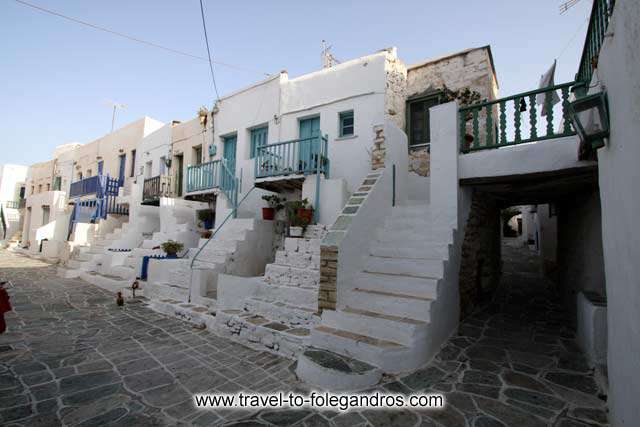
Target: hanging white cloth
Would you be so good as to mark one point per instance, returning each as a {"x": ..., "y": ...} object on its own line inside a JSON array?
[{"x": 547, "y": 80}]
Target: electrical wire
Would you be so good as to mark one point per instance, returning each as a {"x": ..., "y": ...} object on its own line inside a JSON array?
[
  {"x": 135, "y": 39},
  {"x": 206, "y": 39}
]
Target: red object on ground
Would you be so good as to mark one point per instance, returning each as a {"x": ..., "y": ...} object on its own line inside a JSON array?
[{"x": 5, "y": 306}]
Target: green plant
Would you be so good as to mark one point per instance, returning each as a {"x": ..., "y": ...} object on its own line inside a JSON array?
[
  {"x": 274, "y": 201},
  {"x": 205, "y": 215},
  {"x": 171, "y": 247},
  {"x": 293, "y": 214}
]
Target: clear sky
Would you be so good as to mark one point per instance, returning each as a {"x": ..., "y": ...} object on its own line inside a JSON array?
[{"x": 57, "y": 76}]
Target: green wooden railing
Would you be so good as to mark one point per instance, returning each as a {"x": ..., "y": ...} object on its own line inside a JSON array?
[
  {"x": 514, "y": 120},
  {"x": 298, "y": 157},
  {"x": 205, "y": 176},
  {"x": 598, "y": 23}
]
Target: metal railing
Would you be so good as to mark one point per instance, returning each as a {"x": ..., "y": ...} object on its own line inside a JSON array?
[
  {"x": 14, "y": 204},
  {"x": 598, "y": 23},
  {"x": 484, "y": 125},
  {"x": 204, "y": 176},
  {"x": 156, "y": 187},
  {"x": 86, "y": 186},
  {"x": 300, "y": 156}
]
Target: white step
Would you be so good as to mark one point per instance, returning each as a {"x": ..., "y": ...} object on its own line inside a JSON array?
[
  {"x": 392, "y": 303},
  {"x": 111, "y": 284},
  {"x": 281, "y": 312},
  {"x": 377, "y": 325},
  {"x": 426, "y": 268},
  {"x": 123, "y": 271},
  {"x": 416, "y": 286},
  {"x": 382, "y": 353},
  {"x": 400, "y": 236},
  {"x": 414, "y": 250},
  {"x": 292, "y": 295}
]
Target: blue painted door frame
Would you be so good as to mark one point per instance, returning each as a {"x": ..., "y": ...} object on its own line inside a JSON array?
[
  {"x": 309, "y": 128},
  {"x": 123, "y": 161},
  {"x": 100, "y": 167},
  {"x": 229, "y": 153}
]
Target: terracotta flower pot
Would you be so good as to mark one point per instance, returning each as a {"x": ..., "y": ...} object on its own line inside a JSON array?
[
  {"x": 268, "y": 213},
  {"x": 306, "y": 214}
]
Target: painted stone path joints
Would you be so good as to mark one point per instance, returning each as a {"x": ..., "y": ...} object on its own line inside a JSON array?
[{"x": 72, "y": 357}]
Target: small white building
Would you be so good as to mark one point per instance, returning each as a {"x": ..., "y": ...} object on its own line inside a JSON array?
[{"x": 12, "y": 195}]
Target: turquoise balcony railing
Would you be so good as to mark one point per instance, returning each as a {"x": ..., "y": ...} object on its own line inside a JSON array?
[
  {"x": 598, "y": 24},
  {"x": 212, "y": 175},
  {"x": 516, "y": 119},
  {"x": 205, "y": 176},
  {"x": 298, "y": 157}
]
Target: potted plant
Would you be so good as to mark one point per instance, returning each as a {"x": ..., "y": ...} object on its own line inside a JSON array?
[
  {"x": 300, "y": 215},
  {"x": 171, "y": 248},
  {"x": 275, "y": 204},
  {"x": 206, "y": 234},
  {"x": 206, "y": 216}
]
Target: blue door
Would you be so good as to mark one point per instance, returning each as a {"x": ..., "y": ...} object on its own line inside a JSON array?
[
  {"x": 100, "y": 167},
  {"x": 309, "y": 145},
  {"x": 123, "y": 160},
  {"x": 258, "y": 139},
  {"x": 229, "y": 153}
]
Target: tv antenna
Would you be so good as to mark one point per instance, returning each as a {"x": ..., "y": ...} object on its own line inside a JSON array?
[
  {"x": 567, "y": 5},
  {"x": 328, "y": 60},
  {"x": 115, "y": 106}
]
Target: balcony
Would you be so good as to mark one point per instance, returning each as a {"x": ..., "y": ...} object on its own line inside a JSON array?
[
  {"x": 155, "y": 188},
  {"x": 203, "y": 177},
  {"x": 284, "y": 165},
  {"x": 516, "y": 119},
  {"x": 100, "y": 185},
  {"x": 14, "y": 204},
  {"x": 598, "y": 23}
]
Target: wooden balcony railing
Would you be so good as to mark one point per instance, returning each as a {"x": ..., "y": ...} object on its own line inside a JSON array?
[
  {"x": 205, "y": 176},
  {"x": 300, "y": 156},
  {"x": 515, "y": 119},
  {"x": 156, "y": 187},
  {"x": 598, "y": 24}
]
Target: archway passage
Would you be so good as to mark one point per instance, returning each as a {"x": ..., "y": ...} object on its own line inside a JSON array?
[{"x": 539, "y": 290}]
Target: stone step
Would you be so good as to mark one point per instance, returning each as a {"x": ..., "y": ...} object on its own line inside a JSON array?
[
  {"x": 415, "y": 286},
  {"x": 284, "y": 313},
  {"x": 292, "y": 276},
  {"x": 392, "y": 303},
  {"x": 109, "y": 283},
  {"x": 398, "y": 237},
  {"x": 162, "y": 291},
  {"x": 291, "y": 295},
  {"x": 411, "y": 250},
  {"x": 381, "y": 353},
  {"x": 68, "y": 273},
  {"x": 424, "y": 268},
  {"x": 298, "y": 259},
  {"x": 377, "y": 325},
  {"x": 196, "y": 314},
  {"x": 412, "y": 211},
  {"x": 262, "y": 333},
  {"x": 123, "y": 271},
  {"x": 331, "y": 371}
]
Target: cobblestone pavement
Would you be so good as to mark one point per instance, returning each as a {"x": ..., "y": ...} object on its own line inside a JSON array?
[{"x": 72, "y": 357}]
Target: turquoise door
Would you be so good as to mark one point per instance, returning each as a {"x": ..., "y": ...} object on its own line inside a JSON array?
[
  {"x": 123, "y": 161},
  {"x": 229, "y": 153},
  {"x": 258, "y": 139},
  {"x": 309, "y": 145}
]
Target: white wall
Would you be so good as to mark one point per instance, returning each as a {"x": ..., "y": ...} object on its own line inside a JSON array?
[
  {"x": 35, "y": 230},
  {"x": 619, "y": 174},
  {"x": 11, "y": 178}
]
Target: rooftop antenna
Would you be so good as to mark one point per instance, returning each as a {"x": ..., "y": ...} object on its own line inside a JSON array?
[
  {"x": 115, "y": 106},
  {"x": 567, "y": 5},
  {"x": 327, "y": 58}
]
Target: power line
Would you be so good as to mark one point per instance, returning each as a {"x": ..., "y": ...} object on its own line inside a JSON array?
[
  {"x": 206, "y": 39},
  {"x": 132, "y": 38}
]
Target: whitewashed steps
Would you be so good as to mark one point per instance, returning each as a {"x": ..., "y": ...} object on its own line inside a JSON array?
[
  {"x": 412, "y": 250},
  {"x": 393, "y": 303},
  {"x": 420, "y": 287},
  {"x": 281, "y": 312},
  {"x": 433, "y": 269}
]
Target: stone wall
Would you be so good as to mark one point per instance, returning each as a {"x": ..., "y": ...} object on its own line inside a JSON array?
[
  {"x": 480, "y": 265},
  {"x": 378, "y": 153},
  {"x": 396, "y": 90},
  {"x": 328, "y": 278}
]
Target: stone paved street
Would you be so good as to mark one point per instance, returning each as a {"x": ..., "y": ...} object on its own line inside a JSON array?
[{"x": 72, "y": 357}]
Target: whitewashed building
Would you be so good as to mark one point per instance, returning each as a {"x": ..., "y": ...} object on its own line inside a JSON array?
[{"x": 12, "y": 198}]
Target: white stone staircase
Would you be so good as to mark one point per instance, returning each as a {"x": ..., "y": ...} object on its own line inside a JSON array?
[
  {"x": 386, "y": 317},
  {"x": 237, "y": 248},
  {"x": 278, "y": 316}
]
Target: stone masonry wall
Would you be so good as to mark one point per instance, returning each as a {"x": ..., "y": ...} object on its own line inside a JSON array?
[
  {"x": 480, "y": 265},
  {"x": 379, "y": 151},
  {"x": 395, "y": 91}
]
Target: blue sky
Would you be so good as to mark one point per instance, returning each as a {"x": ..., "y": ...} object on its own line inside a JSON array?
[{"x": 56, "y": 76}]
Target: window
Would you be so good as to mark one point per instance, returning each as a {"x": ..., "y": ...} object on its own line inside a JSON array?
[
  {"x": 39, "y": 188},
  {"x": 163, "y": 165},
  {"x": 197, "y": 154},
  {"x": 147, "y": 170},
  {"x": 32, "y": 189},
  {"x": 45, "y": 214},
  {"x": 258, "y": 139},
  {"x": 22, "y": 191},
  {"x": 48, "y": 186},
  {"x": 79, "y": 176},
  {"x": 346, "y": 123},
  {"x": 133, "y": 163},
  {"x": 419, "y": 129},
  {"x": 57, "y": 183},
  {"x": 88, "y": 173}
]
